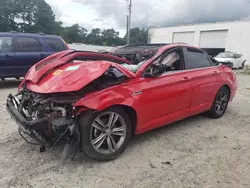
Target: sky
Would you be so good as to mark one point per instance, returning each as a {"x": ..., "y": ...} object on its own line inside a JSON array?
[{"x": 106, "y": 14}]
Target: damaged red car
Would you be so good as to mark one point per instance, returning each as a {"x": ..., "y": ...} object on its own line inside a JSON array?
[{"x": 96, "y": 101}]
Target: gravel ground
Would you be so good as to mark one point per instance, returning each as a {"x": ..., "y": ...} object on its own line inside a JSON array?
[{"x": 197, "y": 152}]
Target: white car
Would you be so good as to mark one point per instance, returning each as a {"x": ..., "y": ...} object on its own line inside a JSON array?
[{"x": 235, "y": 59}]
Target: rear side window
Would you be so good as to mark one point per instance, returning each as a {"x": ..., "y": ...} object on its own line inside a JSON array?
[
  {"x": 5, "y": 44},
  {"x": 55, "y": 44},
  {"x": 27, "y": 44},
  {"x": 196, "y": 59}
]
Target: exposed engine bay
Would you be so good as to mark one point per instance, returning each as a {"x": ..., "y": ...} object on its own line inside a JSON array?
[{"x": 47, "y": 119}]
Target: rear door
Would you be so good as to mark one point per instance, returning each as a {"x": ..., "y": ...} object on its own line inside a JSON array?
[
  {"x": 204, "y": 78},
  {"x": 28, "y": 51},
  {"x": 7, "y": 56}
]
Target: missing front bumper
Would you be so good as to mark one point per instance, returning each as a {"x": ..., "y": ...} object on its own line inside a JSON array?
[{"x": 27, "y": 127}]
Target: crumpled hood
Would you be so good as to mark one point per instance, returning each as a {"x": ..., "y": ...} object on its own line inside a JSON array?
[{"x": 69, "y": 77}]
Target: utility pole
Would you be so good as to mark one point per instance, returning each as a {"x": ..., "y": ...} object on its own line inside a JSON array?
[{"x": 129, "y": 19}]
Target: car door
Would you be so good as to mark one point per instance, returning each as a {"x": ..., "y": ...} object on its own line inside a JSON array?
[
  {"x": 28, "y": 51},
  {"x": 204, "y": 79},
  {"x": 165, "y": 98},
  {"x": 7, "y": 56}
]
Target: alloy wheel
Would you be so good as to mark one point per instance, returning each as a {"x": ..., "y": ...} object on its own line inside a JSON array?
[
  {"x": 108, "y": 132},
  {"x": 221, "y": 102}
]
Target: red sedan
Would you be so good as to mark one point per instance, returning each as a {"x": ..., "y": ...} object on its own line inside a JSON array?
[{"x": 98, "y": 101}]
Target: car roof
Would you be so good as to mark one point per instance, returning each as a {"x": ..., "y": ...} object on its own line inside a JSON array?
[
  {"x": 134, "y": 48},
  {"x": 173, "y": 45},
  {"x": 37, "y": 35}
]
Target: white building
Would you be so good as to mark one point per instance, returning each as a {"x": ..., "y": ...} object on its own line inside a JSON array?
[{"x": 213, "y": 37}]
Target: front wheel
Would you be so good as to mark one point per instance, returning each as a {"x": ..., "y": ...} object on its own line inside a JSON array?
[
  {"x": 220, "y": 103},
  {"x": 105, "y": 134}
]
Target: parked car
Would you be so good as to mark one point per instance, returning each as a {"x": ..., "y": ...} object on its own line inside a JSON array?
[
  {"x": 19, "y": 51},
  {"x": 235, "y": 59},
  {"x": 98, "y": 101}
]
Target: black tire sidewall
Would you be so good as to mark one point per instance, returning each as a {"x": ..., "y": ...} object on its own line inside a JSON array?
[
  {"x": 213, "y": 112},
  {"x": 85, "y": 122},
  {"x": 243, "y": 65}
]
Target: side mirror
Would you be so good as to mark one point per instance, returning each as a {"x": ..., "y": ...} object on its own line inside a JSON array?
[{"x": 155, "y": 71}]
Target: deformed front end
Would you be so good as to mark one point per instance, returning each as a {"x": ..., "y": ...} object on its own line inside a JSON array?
[
  {"x": 44, "y": 107},
  {"x": 45, "y": 120}
]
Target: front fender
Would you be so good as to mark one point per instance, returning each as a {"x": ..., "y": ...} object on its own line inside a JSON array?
[{"x": 104, "y": 99}]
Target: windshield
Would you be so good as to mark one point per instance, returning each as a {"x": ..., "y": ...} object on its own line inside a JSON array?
[
  {"x": 133, "y": 68},
  {"x": 225, "y": 55}
]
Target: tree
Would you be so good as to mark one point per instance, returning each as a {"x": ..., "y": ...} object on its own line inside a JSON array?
[
  {"x": 94, "y": 37},
  {"x": 37, "y": 16},
  {"x": 110, "y": 37},
  {"x": 138, "y": 35},
  {"x": 28, "y": 16},
  {"x": 75, "y": 33},
  {"x": 8, "y": 10}
]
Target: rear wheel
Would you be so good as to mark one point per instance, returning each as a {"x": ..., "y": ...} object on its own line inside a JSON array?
[
  {"x": 106, "y": 134},
  {"x": 243, "y": 65},
  {"x": 220, "y": 103}
]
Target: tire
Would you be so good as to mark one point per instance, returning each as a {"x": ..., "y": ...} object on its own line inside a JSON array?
[
  {"x": 243, "y": 65},
  {"x": 90, "y": 134},
  {"x": 214, "y": 111}
]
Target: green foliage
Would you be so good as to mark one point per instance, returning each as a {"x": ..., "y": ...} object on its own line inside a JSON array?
[
  {"x": 36, "y": 16},
  {"x": 138, "y": 35}
]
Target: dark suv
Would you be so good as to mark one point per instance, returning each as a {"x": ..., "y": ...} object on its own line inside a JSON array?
[{"x": 19, "y": 51}]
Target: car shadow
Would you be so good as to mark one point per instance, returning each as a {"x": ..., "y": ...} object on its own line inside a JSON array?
[
  {"x": 165, "y": 131},
  {"x": 169, "y": 128},
  {"x": 136, "y": 142},
  {"x": 9, "y": 84},
  {"x": 53, "y": 156}
]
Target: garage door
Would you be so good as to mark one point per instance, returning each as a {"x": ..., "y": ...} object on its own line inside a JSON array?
[
  {"x": 186, "y": 37},
  {"x": 213, "y": 39}
]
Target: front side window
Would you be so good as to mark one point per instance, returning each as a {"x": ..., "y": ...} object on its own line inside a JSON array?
[
  {"x": 5, "y": 44},
  {"x": 172, "y": 61},
  {"x": 196, "y": 59},
  {"x": 27, "y": 44}
]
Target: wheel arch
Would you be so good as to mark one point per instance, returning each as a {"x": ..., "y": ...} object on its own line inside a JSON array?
[
  {"x": 225, "y": 86},
  {"x": 131, "y": 113},
  {"x": 228, "y": 88}
]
